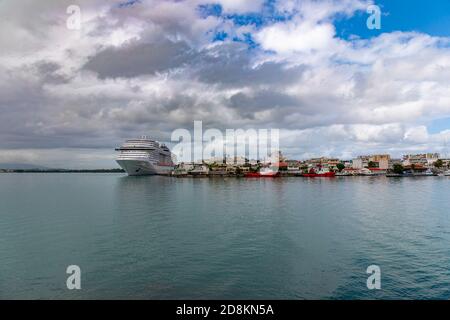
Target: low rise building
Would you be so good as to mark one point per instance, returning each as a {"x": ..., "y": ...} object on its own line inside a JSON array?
[
  {"x": 380, "y": 161},
  {"x": 324, "y": 162},
  {"x": 426, "y": 160}
]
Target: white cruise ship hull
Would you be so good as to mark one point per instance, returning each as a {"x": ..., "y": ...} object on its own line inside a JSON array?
[{"x": 143, "y": 168}]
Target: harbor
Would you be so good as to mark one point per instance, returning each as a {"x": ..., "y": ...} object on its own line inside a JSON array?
[
  {"x": 145, "y": 156},
  {"x": 413, "y": 165}
]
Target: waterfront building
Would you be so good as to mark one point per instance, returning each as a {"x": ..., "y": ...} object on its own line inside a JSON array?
[
  {"x": 446, "y": 163},
  {"x": 217, "y": 168},
  {"x": 293, "y": 166},
  {"x": 380, "y": 161},
  {"x": 215, "y": 160},
  {"x": 244, "y": 169},
  {"x": 277, "y": 157},
  {"x": 199, "y": 170},
  {"x": 394, "y": 161},
  {"x": 183, "y": 168},
  {"x": 426, "y": 160},
  {"x": 348, "y": 163},
  {"x": 323, "y": 162},
  {"x": 360, "y": 162},
  {"x": 237, "y": 160}
]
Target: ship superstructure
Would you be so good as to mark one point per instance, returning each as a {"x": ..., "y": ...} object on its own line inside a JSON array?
[{"x": 145, "y": 156}]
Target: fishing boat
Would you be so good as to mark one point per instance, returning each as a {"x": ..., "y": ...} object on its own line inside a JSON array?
[
  {"x": 344, "y": 173},
  {"x": 322, "y": 173},
  {"x": 263, "y": 173}
]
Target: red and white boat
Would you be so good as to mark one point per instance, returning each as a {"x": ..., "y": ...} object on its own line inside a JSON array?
[
  {"x": 263, "y": 173},
  {"x": 322, "y": 173}
]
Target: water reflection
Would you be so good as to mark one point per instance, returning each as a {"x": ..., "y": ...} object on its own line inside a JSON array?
[{"x": 162, "y": 237}]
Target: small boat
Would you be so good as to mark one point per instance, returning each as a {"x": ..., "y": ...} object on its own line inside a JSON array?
[
  {"x": 319, "y": 174},
  {"x": 263, "y": 173},
  {"x": 199, "y": 170},
  {"x": 365, "y": 172},
  {"x": 447, "y": 173},
  {"x": 427, "y": 173},
  {"x": 395, "y": 175},
  {"x": 345, "y": 174}
]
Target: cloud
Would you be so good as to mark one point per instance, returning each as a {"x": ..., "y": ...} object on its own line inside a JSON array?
[
  {"x": 241, "y": 6},
  {"x": 303, "y": 37},
  {"x": 135, "y": 59},
  {"x": 154, "y": 66},
  {"x": 417, "y": 135}
]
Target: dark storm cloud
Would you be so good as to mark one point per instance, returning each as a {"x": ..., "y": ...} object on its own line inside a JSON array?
[
  {"x": 227, "y": 64},
  {"x": 230, "y": 65},
  {"x": 50, "y": 72},
  {"x": 246, "y": 105},
  {"x": 262, "y": 100},
  {"x": 137, "y": 59}
]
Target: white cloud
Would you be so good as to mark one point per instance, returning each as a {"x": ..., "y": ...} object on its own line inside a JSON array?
[
  {"x": 240, "y": 6},
  {"x": 302, "y": 37},
  {"x": 151, "y": 68},
  {"x": 417, "y": 134}
]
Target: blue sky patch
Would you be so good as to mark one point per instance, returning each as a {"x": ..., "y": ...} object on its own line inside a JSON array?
[
  {"x": 211, "y": 9},
  {"x": 431, "y": 17},
  {"x": 128, "y": 3},
  {"x": 439, "y": 125},
  {"x": 220, "y": 36}
]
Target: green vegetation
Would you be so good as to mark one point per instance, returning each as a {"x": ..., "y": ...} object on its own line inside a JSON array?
[
  {"x": 398, "y": 168},
  {"x": 372, "y": 164},
  {"x": 340, "y": 167},
  {"x": 439, "y": 163}
]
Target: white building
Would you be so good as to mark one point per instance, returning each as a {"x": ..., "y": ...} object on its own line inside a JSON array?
[
  {"x": 425, "y": 160},
  {"x": 381, "y": 161}
]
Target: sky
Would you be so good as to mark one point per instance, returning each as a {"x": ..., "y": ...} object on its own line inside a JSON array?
[{"x": 311, "y": 68}]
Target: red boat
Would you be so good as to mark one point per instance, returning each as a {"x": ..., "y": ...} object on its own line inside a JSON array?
[
  {"x": 320, "y": 174},
  {"x": 263, "y": 173}
]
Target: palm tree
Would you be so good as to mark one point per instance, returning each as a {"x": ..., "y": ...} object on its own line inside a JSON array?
[
  {"x": 340, "y": 167},
  {"x": 398, "y": 168}
]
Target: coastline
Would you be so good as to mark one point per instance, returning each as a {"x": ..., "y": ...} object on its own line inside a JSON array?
[
  {"x": 62, "y": 171},
  {"x": 218, "y": 176}
]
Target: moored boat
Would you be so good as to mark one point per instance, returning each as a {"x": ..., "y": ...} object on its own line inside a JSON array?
[
  {"x": 144, "y": 156},
  {"x": 263, "y": 173},
  {"x": 344, "y": 174},
  {"x": 427, "y": 173},
  {"x": 319, "y": 174}
]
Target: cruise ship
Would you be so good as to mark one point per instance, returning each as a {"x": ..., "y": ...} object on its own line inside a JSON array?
[{"x": 145, "y": 156}]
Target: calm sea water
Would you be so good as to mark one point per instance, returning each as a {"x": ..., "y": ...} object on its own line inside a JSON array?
[{"x": 159, "y": 237}]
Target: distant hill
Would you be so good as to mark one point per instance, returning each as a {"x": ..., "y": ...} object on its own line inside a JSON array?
[{"x": 21, "y": 166}]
